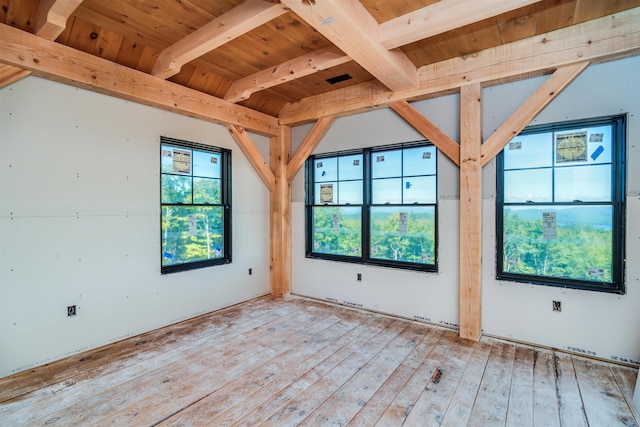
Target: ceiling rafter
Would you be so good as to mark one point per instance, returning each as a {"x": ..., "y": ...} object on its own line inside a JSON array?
[
  {"x": 287, "y": 71},
  {"x": 601, "y": 39},
  {"x": 238, "y": 21},
  {"x": 52, "y": 17},
  {"x": 51, "y": 21},
  {"x": 349, "y": 26},
  {"x": 425, "y": 22},
  {"x": 441, "y": 17}
]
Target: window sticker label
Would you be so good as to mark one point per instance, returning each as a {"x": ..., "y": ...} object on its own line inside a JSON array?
[
  {"x": 571, "y": 147},
  {"x": 379, "y": 159},
  {"x": 193, "y": 225},
  {"x": 595, "y": 272},
  {"x": 336, "y": 223},
  {"x": 597, "y": 152},
  {"x": 374, "y": 250},
  {"x": 512, "y": 261},
  {"x": 316, "y": 245},
  {"x": 403, "y": 218},
  {"x": 356, "y": 162},
  {"x": 596, "y": 137},
  {"x": 549, "y": 225},
  {"x": 426, "y": 155},
  {"x": 355, "y": 251},
  {"x": 319, "y": 165},
  {"x": 326, "y": 193},
  {"x": 166, "y": 153},
  {"x": 214, "y": 160},
  {"x": 168, "y": 255},
  {"x": 181, "y": 161},
  {"x": 515, "y": 145},
  {"x": 216, "y": 249},
  {"x": 407, "y": 185},
  {"x": 426, "y": 257}
]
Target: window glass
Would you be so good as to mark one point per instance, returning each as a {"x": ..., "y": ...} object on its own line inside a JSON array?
[
  {"x": 195, "y": 222},
  {"x": 337, "y": 230},
  {"x": 385, "y": 164},
  {"x": 560, "y": 205},
  {"x": 403, "y": 233},
  {"x": 377, "y": 206}
]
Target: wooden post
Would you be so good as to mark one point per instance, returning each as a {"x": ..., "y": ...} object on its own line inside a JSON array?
[
  {"x": 280, "y": 149},
  {"x": 470, "y": 211}
]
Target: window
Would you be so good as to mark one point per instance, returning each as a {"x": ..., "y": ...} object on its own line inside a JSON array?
[
  {"x": 560, "y": 205},
  {"x": 196, "y": 205},
  {"x": 374, "y": 206}
]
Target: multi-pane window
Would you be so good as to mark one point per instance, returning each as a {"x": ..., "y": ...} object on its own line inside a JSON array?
[
  {"x": 196, "y": 210},
  {"x": 374, "y": 206},
  {"x": 560, "y": 205}
]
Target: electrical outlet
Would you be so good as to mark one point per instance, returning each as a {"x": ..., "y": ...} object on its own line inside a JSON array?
[
  {"x": 359, "y": 277},
  {"x": 250, "y": 271},
  {"x": 71, "y": 311},
  {"x": 557, "y": 306}
]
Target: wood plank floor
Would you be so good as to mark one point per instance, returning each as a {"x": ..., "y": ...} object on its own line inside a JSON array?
[{"x": 293, "y": 361}]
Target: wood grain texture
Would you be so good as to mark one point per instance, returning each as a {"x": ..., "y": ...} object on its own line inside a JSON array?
[
  {"x": 308, "y": 145},
  {"x": 61, "y": 63},
  {"x": 280, "y": 214},
  {"x": 253, "y": 155},
  {"x": 470, "y": 212},
  {"x": 285, "y": 361},
  {"x": 430, "y": 131},
  {"x": 595, "y": 41}
]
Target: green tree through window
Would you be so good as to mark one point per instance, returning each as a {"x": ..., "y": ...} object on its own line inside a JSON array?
[
  {"x": 374, "y": 206},
  {"x": 195, "y": 195},
  {"x": 560, "y": 205}
]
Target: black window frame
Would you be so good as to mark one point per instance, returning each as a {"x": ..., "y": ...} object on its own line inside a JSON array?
[
  {"x": 225, "y": 203},
  {"x": 618, "y": 125},
  {"x": 365, "y": 249}
]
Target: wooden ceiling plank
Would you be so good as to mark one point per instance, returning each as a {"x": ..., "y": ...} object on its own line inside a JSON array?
[
  {"x": 52, "y": 17},
  {"x": 546, "y": 93},
  {"x": 349, "y": 26},
  {"x": 287, "y": 71},
  {"x": 433, "y": 133},
  {"x": 239, "y": 20},
  {"x": 253, "y": 155},
  {"x": 602, "y": 39},
  {"x": 441, "y": 17},
  {"x": 67, "y": 65},
  {"x": 308, "y": 145}
]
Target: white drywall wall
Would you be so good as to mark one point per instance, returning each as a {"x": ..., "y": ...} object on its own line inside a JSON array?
[
  {"x": 79, "y": 223},
  {"x": 594, "y": 322}
]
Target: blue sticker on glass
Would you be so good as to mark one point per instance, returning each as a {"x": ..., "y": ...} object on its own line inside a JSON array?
[
  {"x": 597, "y": 153},
  {"x": 408, "y": 185},
  {"x": 168, "y": 255},
  {"x": 324, "y": 173},
  {"x": 216, "y": 247}
]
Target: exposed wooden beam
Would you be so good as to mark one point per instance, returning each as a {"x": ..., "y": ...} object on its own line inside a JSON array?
[
  {"x": 349, "y": 26},
  {"x": 253, "y": 155},
  {"x": 430, "y": 131},
  {"x": 10, "y": 74},
  {"x": 529, "y": 109},
  {"x": 441, "y": 17},
  {"x": 602, "y": 39},
  {"x": 238, "y": 21},
  {"x": 286, "y": 72},
  {"x": 67, "y": 65},
  {"x": 280, "y": 209},
  {"x": 52, "y": 17},
  {"x": 470, "y": 212},
  {"x": 51, "y": 20},
  {"x": 308, "y": 145}
]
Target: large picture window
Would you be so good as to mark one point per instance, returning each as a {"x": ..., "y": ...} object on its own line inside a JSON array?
[
  {"x": 374, "y": 206},
  {"x": 196, "y": 208},
  {"x": 560, "y": 205}
]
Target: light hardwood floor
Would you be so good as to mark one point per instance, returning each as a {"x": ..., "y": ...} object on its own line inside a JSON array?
[{"x": 280, "y": 362}]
